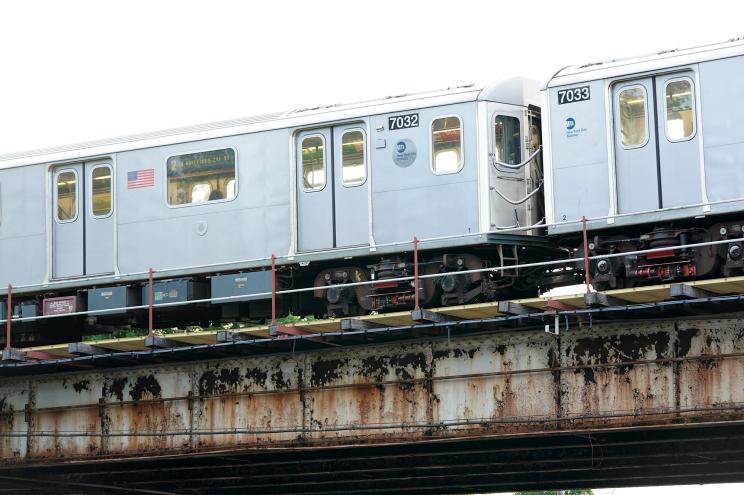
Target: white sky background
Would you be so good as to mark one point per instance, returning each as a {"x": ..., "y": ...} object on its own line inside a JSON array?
[
  {"x": 75, "y": 70},
  {"x": 80, "y": 70}
]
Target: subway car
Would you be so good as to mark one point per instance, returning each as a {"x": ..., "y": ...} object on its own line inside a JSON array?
[
  {"x": 647, "y": 150},
  {"x": 336, "y": 193},
  {"x": 650, "y": 150}
]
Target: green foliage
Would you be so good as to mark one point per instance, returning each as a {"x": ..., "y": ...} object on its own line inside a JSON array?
[
  {"x": 290, "y": 318},
  {"x": 116, "y": 334},
  {"x": 123, "y": 333}
]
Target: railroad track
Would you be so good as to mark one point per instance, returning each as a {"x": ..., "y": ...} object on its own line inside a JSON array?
[{"x": 553, "y": 313}]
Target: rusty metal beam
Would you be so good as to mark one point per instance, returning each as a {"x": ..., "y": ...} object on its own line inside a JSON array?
[{"x": 510, "y": 400}]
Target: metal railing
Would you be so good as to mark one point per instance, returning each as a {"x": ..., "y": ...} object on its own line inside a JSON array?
[{"x": 415, "y": 279}]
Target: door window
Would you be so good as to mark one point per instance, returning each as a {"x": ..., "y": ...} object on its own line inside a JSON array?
[
  {"x": 353, "y": 159},
  {"x": 101, "y": 201},
  {"x": 508, "y": 140},
  {"x": 680, "y": 110},
  {"x": 633, "y": 117},
  {"x": 313, "y": 163},
  {"x": 67, "y": 196}
]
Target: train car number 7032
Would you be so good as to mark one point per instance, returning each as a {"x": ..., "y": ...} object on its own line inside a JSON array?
[{"x": 403, "y": 121}]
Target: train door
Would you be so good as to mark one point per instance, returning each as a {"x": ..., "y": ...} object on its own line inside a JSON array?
[
  {"x": 332, "y": 189},
  {"x": 636, "y": 166},
  {"x": 536, "y": 207},
  {"x": 657, "y": 155},
  {"x": 351, "y": 204},
  {"x": 83, "y": 225},
  {"x": 679, "y": 145}
]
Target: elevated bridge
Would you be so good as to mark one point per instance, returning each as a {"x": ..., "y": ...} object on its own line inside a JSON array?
[{"x": 633, "y": 387}]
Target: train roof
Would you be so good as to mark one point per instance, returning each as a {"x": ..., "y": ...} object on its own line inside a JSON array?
[
  {"x": 516, "y": 91},
  {"x": 643, "y": 63}
]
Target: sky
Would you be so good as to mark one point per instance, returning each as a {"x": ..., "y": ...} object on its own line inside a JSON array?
[
  {"x": 75, "y": 71},
  {"x": 79, "y": 70}
]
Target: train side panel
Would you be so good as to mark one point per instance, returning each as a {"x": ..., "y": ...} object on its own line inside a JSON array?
[
  {"x": 688, "y": 165},
  {"x": 253, "y": 225},
  {"x": 578, "y": 136},
  {"x": 722, "y": 95},
  {"x": 23, "y": 254},
  {"x": 408, "y": 198}
]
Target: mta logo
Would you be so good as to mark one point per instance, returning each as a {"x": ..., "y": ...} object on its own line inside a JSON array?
[
  {"x": 401, "y": 146},
  {"x": 570, "y": 123}
]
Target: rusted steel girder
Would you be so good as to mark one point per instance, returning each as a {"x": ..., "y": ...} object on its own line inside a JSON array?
[{"x": 629, "y": 374}]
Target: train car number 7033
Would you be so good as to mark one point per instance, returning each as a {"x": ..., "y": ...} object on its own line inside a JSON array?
[{"x": 573, "y": 95}]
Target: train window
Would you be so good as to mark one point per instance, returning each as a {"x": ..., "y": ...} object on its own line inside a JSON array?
[
  {"x": 680, "y": 110},
  {"x": 633, "y": 121},
  {"x": 67, "y": 196},
  {"x": 508, "y": 140},
  {"x": 446, "y": 145},
  {"x": 100, "y": 188},
  {"x": 353, "y": 159},
  {"x": 313, "y": 163},
  {"x": 197, "y": 178}
]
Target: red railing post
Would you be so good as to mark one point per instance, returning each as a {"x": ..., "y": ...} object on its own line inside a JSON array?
[
  {"x": 415, "y": 273},
  {"x": 587, "y": 276},
  {"x": 273, "y": 290},
  {"x": 150, "y": 303},
  {"x": 9, "y": 316}
]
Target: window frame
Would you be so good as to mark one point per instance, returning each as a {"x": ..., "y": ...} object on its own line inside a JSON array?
[
  {"x": 364, "y": 155},
  {"x": 214, "y": 201},
  {"x": 431, "y": 144},
  {"x": 325, "y": 162},
  {"x": 56, "y": 195},
  {"x": 645, "y": 114},
  {"x": 693, "y": 96},
  {"x": 90, "y": 199}
]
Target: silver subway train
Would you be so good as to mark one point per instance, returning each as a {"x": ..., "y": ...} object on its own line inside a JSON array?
[{"x": 648, "y": 149}]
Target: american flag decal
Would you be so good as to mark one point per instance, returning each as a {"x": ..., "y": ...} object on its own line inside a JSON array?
[{"x": 141, "y": 178}]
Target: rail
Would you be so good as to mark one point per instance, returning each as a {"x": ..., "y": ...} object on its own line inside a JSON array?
[{"x": 555, "y": 315}]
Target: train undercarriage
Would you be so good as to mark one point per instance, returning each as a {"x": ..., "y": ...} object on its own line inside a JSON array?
[
  {"x": 379, "y": 283},
  {"x": 674, "y": 254},
  {"x": 446, "y": 279}
]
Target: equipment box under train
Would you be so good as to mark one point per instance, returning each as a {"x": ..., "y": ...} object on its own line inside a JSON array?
[
  {"x": 174, "y": 291},
  {"x": 28, "y": 309},
  {"x": 252, "y": 285},
  {"x": 113, "y": 298}
]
